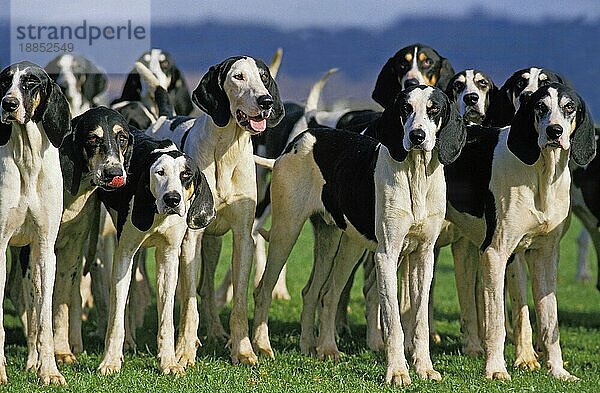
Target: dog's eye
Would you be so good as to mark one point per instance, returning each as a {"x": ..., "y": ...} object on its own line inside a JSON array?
[
  {"x": 521, "y": 83},
  {"x": 434, "y": 109},
  {"x": 239, "y": 76},
  {"x": 541, "y": 107},
  {"x": 93, "y": 139},
  {"x": 164, "y": 64},
  {"x": 569, "y": 108},
  {"x": 427, "y": 63},
  {"x": 160, "y": 172},
  {"x": 122, "y": 139},
  {"x": 483, "y": 83},
  {"x": 29, "y": 84},
  {"x": 185, "y": 175},
  {"x": 264, "y": 78},
  {"x": 458, "y": 85}
]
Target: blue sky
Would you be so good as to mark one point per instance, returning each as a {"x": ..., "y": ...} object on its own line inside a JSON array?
[{"x": 371, "y": 14}]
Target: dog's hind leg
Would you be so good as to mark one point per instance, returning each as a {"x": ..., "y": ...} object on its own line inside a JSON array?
[
  {"x": 326, "y": 242},
  {"x": 210, "y": 251},
  {"x": 372, "y": 312},
  {"x": 346, "y": 258},
  {"x": 342, "y": 326}
]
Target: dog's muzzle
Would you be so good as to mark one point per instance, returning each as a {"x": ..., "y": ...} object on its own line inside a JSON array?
[
  {"x": 416, "y": 137},
  {"x": 554, "y": 132},
  {"x": 9, "y": 107}
]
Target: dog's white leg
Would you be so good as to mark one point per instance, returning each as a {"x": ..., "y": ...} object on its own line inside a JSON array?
[
  {"x": 583, "y": 257},
  {"x": 372, "y": 312},
  {"x": 142, "y": 292},
  {"x": 43, "y": 262},
  {"x": 346, "y": 258},
  {"x": 386, "y": 260},
  {"x": 75, "y": 318},
  {"x": 420, "y": 266},
  {"x": 188, "y": 342},
  {"x": 342, "y": 326},
  {"x": 3, "y": 246},
  {"x": 543, "y": 266},
  {"x": 210, "y": 251},
  {"x": 166, "y": 277},
  {"x": 493, "y": 264},
  {"x": 32, "y": 319},
  {"x": 433, "y": 334},
  {"x": 260, "y": 256},
  {"x": 120, "y": 282},
  {"x": 466, "y": 264},
  {"x": 326, "y": 241},
  {"x": 243, "y": 251},
  {"x": 516, "y": 281},
  {"x": 68, "y": 271}
]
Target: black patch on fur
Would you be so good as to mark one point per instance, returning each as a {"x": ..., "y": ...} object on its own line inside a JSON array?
[
  {"x": 275, "y": 138},
  {"x": 522, "y": 137},
  {"x": 583, "y": 139},
  {"x": 135, "y": 115},
  {"x": 588, "y": 180},
  {"x": 490, "y": 219},
  {"x": 347, "y": 162},
  {"x": 357, "y": 121},
  {"x": 202, "y": 209},
  {"x": 56, "y": 115},
  {"x": 452, "y": 135}
]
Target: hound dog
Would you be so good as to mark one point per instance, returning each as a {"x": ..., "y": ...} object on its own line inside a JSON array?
[
  {"x": 80, "y": 80},
  {"x": 241, "y": 99},
  {"x": 388, "y": 197},
  {"x": 162, "y": 65},
  {"x": 474, "y": 92},
  {"x": 416, "y": 64},
  {"x": 166, "y": 193},
  {"x": 34, "y": 118},
  {"x": 517, "y": 200},
  {"x": 96, "y": 157}
]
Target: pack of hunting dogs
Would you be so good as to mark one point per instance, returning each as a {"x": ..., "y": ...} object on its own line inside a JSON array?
[{"x": 452, "y": 159}]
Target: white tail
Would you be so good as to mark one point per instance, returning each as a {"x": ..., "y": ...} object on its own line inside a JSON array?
[
  {"x": 275, "y": 63},
  {"x": 149, "y": 76},
  {"x": 312, "y": 102},
  {"x": 265, "y": 162}
]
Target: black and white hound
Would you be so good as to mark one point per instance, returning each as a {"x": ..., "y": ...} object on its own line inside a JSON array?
[
  {"x": 241, "y": 99},
  {"x": 387, "y": 195},
  {"x": 135, "y": 90},
  {"x": 35, "y": 118},
  {"x": 80, "y": 80},
  {"x": 413, "y": 65},
  {"x": 97, "y": 156},
  {"x": 165, "y": 194},
  {"x": 474, "y": 93},
  {"x": 516, "y": 200}
]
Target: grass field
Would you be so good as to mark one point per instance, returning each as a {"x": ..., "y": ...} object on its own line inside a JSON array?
[{"x": 358, "y": 371}]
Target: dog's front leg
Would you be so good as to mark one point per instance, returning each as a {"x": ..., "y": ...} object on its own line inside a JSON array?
[
  {"x": 420, "y": 267},
  {"x": 120, "y": 281},
  {"x": 3, "y": 376},
  {"x": 167, "y": 261},
  {"x": 43, "y": 262},
  {"x": 372, "y": 309},
  {"x": 543, "y": 264},
  {"x": 386, "y": 259},
  {"x": 516, "y": 281},
  {"x": 243, "y": 251},
  {"x": 188, "y": 342}
]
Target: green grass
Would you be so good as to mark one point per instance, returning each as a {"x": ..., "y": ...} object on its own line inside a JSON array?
[{"x": 358, "y": 371}]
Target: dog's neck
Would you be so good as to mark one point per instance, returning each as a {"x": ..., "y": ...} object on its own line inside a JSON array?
[
  {"x": 421, "y": 165},
  {"x": 28, "y": 144},
  {"x": 73, "y": 204},
  {"x": 551, "y": 169}
]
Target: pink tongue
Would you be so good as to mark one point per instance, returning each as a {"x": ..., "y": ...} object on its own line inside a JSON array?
[
  {"x": 117, "y": 181},
  {"x": 258, "y": 125}
]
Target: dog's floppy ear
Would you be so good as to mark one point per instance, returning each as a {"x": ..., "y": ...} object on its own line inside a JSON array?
[
  {"x": 180, "y": 94},
  {"x": 132, "y": 89},
  {"x": 452, "y": 135},
  {"x": 446, "y": 73},
  {"x": 501, "y": 110},
  {"x": 95, "y": 83},
  {"x": 129, "y": 151},
  {"x": 210, "y": 95},
  {"x": 522, "y": 137},
  {"x": 5, "y": 130},
  {"x": 72, "y": 163},
  {"x": 277, "y": 111},
  {"x": 202, "y": 209},
  {"x": 144, "y": 203},
  {"x": 583, "y": 139},
  {"x": 389, "y": 130},
  {"x": 56, "y": 118},
  {"x": 387, "y": 85}
]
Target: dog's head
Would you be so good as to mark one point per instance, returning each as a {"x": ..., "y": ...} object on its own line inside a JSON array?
[
  {"x": 421, "y": 118},
  {"x": 172, "y": 183},
  {"x": 523, "y": 83},
  {"x": 29, "y": 94},
  {"x": 240, "y": 88},
  {"x": 80, "y": 80},
  {"x": 101, "y": 146},
  {"x": 472, "y": 91},
  {"x": 554, "y": 117},
  {"x": 411, "y": 66}
]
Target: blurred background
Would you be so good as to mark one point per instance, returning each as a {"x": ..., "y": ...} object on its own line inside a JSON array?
[{"x": 497, "y": 37}]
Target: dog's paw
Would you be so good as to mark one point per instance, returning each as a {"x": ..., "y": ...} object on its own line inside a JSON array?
[
  {"x": 49, "y": 375},
  {"x": 185, "y": 353},
  {"x": 262, "y": 343},
  {"x": 243, "y": 353},
  {"x": 65, "y": 358},
  {"x": 307, "y": 345},
  {"x": 281, "y": 294},
  {"x": 172, "y": 368},
  {"x": 499, "y": 375},
  {"x": 3, "y": 376},
  {"x": 216, "y": 333},
  {"x": 527, "y": 362},
  {"x": 563, "y": 375},
  {"x": 398, "y": 377},
  {"x": 110, "y": 366},
  {"x": 328, "y": 352},
  {"x": 435, "y": 338},
  {"x": 429, "y": 373}
]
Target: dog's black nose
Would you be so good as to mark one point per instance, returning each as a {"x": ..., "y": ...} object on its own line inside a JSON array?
[
  {"x": 411, "y": 82},
  {"x": 265, "y": 102},
  {"x": 471, "y": 98},
  {"x": 554, "y": 131},
  {"x": 172, "y": 199},
  {"x": 112, "y": 172},
  {"x": 10, "y": 104},
  {"x": 416, "y": 136}
]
